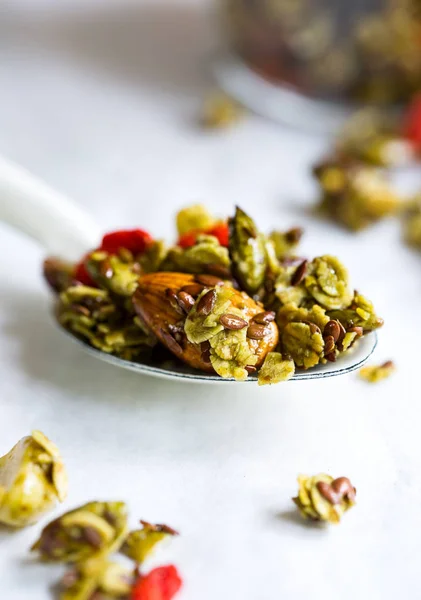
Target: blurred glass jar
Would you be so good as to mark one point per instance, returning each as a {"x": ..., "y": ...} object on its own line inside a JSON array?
[{"x": 364, "y": 50}]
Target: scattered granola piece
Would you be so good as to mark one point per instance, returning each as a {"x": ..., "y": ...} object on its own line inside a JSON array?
[
  {"x": 355, "y": 195},
  {"x": 221, "y": 111},
  {"x": 140, "y": 543},
  {"x": 275, "y": 369},
  {"x": 323, "y": 498},
  {"x": 93, "y": 530},
  {"x": 373, "y": 373},
  {"x": 32, "y": 480}
]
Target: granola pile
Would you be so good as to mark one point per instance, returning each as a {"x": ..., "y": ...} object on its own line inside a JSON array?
[{"x": 225, "y": 299}]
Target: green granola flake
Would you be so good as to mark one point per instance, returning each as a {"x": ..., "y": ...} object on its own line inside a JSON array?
[
  {"x": 360, "y": 313},
  {"x": 304, "y": 343},
  {"x": 275, "y": 369},
  {"x": 95, "y": 578},
  {"x": 93, "y": 530},
  {"x": 247, "y": 251},
  {"x": 376, "y": 373},
  {"x": 113, "y": 273},
  {"x": 412, "y": 223},
  {"x": 206, "y": 251},
  {"x": 33, "y": 480},
  {"x": 323, "y": 498},
  {"x": 195, "y": 217},
  {"x": 139, "y": 544},
  {"x": 328, "y": 283},
  {"x": 355, "y": 195},
  {"x": 91, "y": 313}
]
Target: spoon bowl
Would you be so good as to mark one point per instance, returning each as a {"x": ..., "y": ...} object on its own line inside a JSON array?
[{"x": 176, "y": 370}]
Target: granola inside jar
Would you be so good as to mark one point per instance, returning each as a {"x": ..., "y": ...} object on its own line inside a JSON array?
[{"x": 366, "y": 51}]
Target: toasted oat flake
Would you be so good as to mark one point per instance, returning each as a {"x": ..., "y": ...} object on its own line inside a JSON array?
[{"x": 374, "y": 374}]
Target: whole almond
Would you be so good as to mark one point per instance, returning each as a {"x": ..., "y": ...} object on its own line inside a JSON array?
[{"x": 194, "y": 289}]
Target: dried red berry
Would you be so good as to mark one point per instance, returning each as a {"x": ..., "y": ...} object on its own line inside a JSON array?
[
  {"x": 412, "y": 123},
  {"x": 135, "y": 240},
  {"x": 220, "y": 231},
  {"x": 161, "y": 583},
  {"x": 82, "y": 275},
  {"x": 188, "y": 239}
]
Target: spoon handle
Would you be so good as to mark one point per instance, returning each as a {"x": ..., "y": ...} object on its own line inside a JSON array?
[{"x": 32, "y": 207}]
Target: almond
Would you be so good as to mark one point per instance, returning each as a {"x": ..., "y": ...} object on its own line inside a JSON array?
[{"x": 153, "y": 303}]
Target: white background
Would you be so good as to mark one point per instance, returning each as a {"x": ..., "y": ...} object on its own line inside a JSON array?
[{"x": 101, "y": 99}]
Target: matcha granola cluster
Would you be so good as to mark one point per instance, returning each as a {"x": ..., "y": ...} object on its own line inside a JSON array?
[{"x": 225, "y": 298}]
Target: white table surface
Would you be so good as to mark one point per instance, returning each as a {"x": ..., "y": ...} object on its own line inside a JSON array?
[{"x": 100, "y": 99}]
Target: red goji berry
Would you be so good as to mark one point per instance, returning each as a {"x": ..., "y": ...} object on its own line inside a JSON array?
[
  {"x": 161, "y": 583},
  {"x": 82, "y": 275},
  {"x": 189, "y": 239},
  {"x": 135, "y": 240},
  {"x": 412, "y": 123},
  {"x": 220, "y": 231}
]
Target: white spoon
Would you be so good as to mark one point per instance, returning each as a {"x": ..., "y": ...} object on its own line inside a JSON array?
[{"x": 67, "y": 231}]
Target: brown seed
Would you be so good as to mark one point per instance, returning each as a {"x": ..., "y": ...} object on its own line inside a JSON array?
[
  {"x": 206, "y": 303},
  {"x": 313, "y": 327},
  {"x": 358, "y": 330},
  {"x": 137, "y": 269},
  {"x": 342, "y": 334},
  {"x": 205, "y": 350},
  {"x": 299, "y": 273},
  {"x": 160, "y": 527},
  {"x": 250, "y": 369},
  {"x": 70, "y": 578},
  {"x": 332, "y": 329},
  {"x": 186, "y": 301},
  {"x": 328, "y": 493},
  {"x": 109, "y": 517},
  {"x": 293, "y": 236},
  {"x": 331, "y": 357},
  {"x": 234, "y": 322},
  {"x": 329, "y": 344},
  {"x": 269, "y": 285},
  {"x": 171, "y": 343},
  {"x": 389, "y": 364},
  {"x": 257, "y": 331},
  {"x": 173, "y": 298},
  {"x": 265, "y": 317},
  {"x": 82, "y": 310},
  {"x": 218, "y": 270},
  {"x": 290, "y": 261},
  {"x": 209, "y": 280},
  {"x": 194, "y": 289},
  {"x": 91, "y": 535},
  {"x": 344, "y": 487},
  {"x": 176, "y": 328},
  {"x": 51, "y": 544}
]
